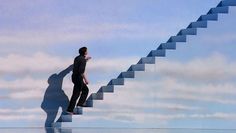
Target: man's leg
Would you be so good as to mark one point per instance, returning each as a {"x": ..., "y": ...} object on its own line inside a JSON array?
[
  {"x": 84, "y": 95},
  {"x": 74, "y": 97}
]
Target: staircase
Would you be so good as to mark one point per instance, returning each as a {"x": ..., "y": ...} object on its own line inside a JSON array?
[{"x": 202, "y": 22}]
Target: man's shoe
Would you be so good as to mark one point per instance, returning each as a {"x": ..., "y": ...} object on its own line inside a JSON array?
[
  {"x": 70, "y": 113},
  {"x": 80, "y": 106}
]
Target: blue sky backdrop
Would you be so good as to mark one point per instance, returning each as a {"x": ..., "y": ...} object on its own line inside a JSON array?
[{"x": 42, "y": 37}]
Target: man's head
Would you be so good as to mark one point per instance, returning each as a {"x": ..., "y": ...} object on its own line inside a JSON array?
[{"x": 83, "y": 51}]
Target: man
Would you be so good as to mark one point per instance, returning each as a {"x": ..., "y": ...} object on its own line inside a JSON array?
[{"x": 79, "y": 80}]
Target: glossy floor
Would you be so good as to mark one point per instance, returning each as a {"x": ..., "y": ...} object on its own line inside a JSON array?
[{"x": 109, "y": 130}]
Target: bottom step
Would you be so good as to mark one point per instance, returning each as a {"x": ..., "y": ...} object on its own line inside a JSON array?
[{"x": 67, "y": 117}]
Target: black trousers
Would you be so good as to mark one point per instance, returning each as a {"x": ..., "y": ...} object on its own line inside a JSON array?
[{"x": 79, "y": 86}]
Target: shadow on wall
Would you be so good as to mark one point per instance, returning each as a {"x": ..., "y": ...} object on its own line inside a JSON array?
[{"x": 55, "y": 97}]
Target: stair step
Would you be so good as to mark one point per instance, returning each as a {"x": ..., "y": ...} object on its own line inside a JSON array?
[
  {"x": 97, "y": 96},
  {"x": 228, "y": 3},
  {"x": 159, "y": 52},
  {"x": 188, "y": 31},
  {"x": 169, "y": 45},
  {"x": 208, "y": 17},
  {"x": 219, "y": 10},
  {"x": 89, "y": 103},
  {"x": 108, "y": 88},
  {"x": 65, "y": 118},
  {"x": 147, "y": 60},
  {"x": 198, "y": 24},
  {"x": 137, "y": 67},
  {"x": 178, "y": 38},
  {"x": 128, "y": 74},
  {"x": 61, "y": 130},
  {"x": 118, "y": 81},
  {"x": 78, "y": 111},
  {"x": 57, "y": 124}
]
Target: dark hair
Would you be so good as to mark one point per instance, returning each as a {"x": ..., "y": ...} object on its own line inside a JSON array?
[{"x": 82, "y": 50}]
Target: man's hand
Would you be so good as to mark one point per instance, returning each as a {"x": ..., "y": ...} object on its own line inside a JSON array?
[
  {"x": 88, "y": 58},
  {"x": 86, "y": 81}
]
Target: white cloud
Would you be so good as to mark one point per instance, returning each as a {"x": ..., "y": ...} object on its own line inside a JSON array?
[
  {"x": 167, "y": 86},
  {"x": 218, "y": 115},
  {"x": 140, "y": 106},
  {"x": 38, "y": 62},
  {"x": 45, "y": 63},
  {"x": 172, "y": 93},
  {"x": 27, "y": 94},
  {"x": 130, "y": 103},
  {"x": 75, "y": 32},
  {"x": 222, "y": 39},
  {"x": 213, "y": 68},
  {"x": 195, "y": 98},
  {"x": 111, "y": 65},
  {"x": 203, "y": 88},
  {"x": 8, "y": 114},
  {"x": 142, "y": 117},
  {"x": 19, "y": 117},
  {"x": 20, "y": 110},
  {"x": 30, "y": 88},
  {"x": 185, "y": 87},
  {"x": 26, "y": 68},
  {"x": 23, "y": 84},
  {"x": 170, "y": 88}
]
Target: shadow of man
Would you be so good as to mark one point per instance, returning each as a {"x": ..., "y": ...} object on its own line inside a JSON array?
[{"x": 55, "y": 97}]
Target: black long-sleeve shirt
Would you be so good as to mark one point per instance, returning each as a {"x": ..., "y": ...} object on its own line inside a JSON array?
[{"x": 79, "y": 65}]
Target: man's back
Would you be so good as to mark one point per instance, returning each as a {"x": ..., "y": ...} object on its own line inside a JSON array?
[{"x": 79, "y": 65}]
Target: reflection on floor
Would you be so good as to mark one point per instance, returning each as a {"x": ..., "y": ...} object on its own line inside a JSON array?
[{"x": 111, "y": 130}]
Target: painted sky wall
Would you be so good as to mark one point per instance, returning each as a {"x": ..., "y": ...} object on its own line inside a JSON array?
[
  {"x": 192, "y": 87},
  {"x": 42, "y": 45}
]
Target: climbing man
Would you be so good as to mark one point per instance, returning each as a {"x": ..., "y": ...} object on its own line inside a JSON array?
[{"x": 79, "y": 80}]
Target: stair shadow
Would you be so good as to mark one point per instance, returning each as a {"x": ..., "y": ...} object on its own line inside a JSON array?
[{"x": 55, "y": 97}]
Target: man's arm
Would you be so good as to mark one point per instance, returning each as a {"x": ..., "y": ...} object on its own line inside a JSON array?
[
  {"x": 82, "y": 70},
  {"x": 66, "y": 71},
  {"x": 87, "y": 58},
  {"x": 84, "y": 75},
  {"x": 85, "y": 78}
]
